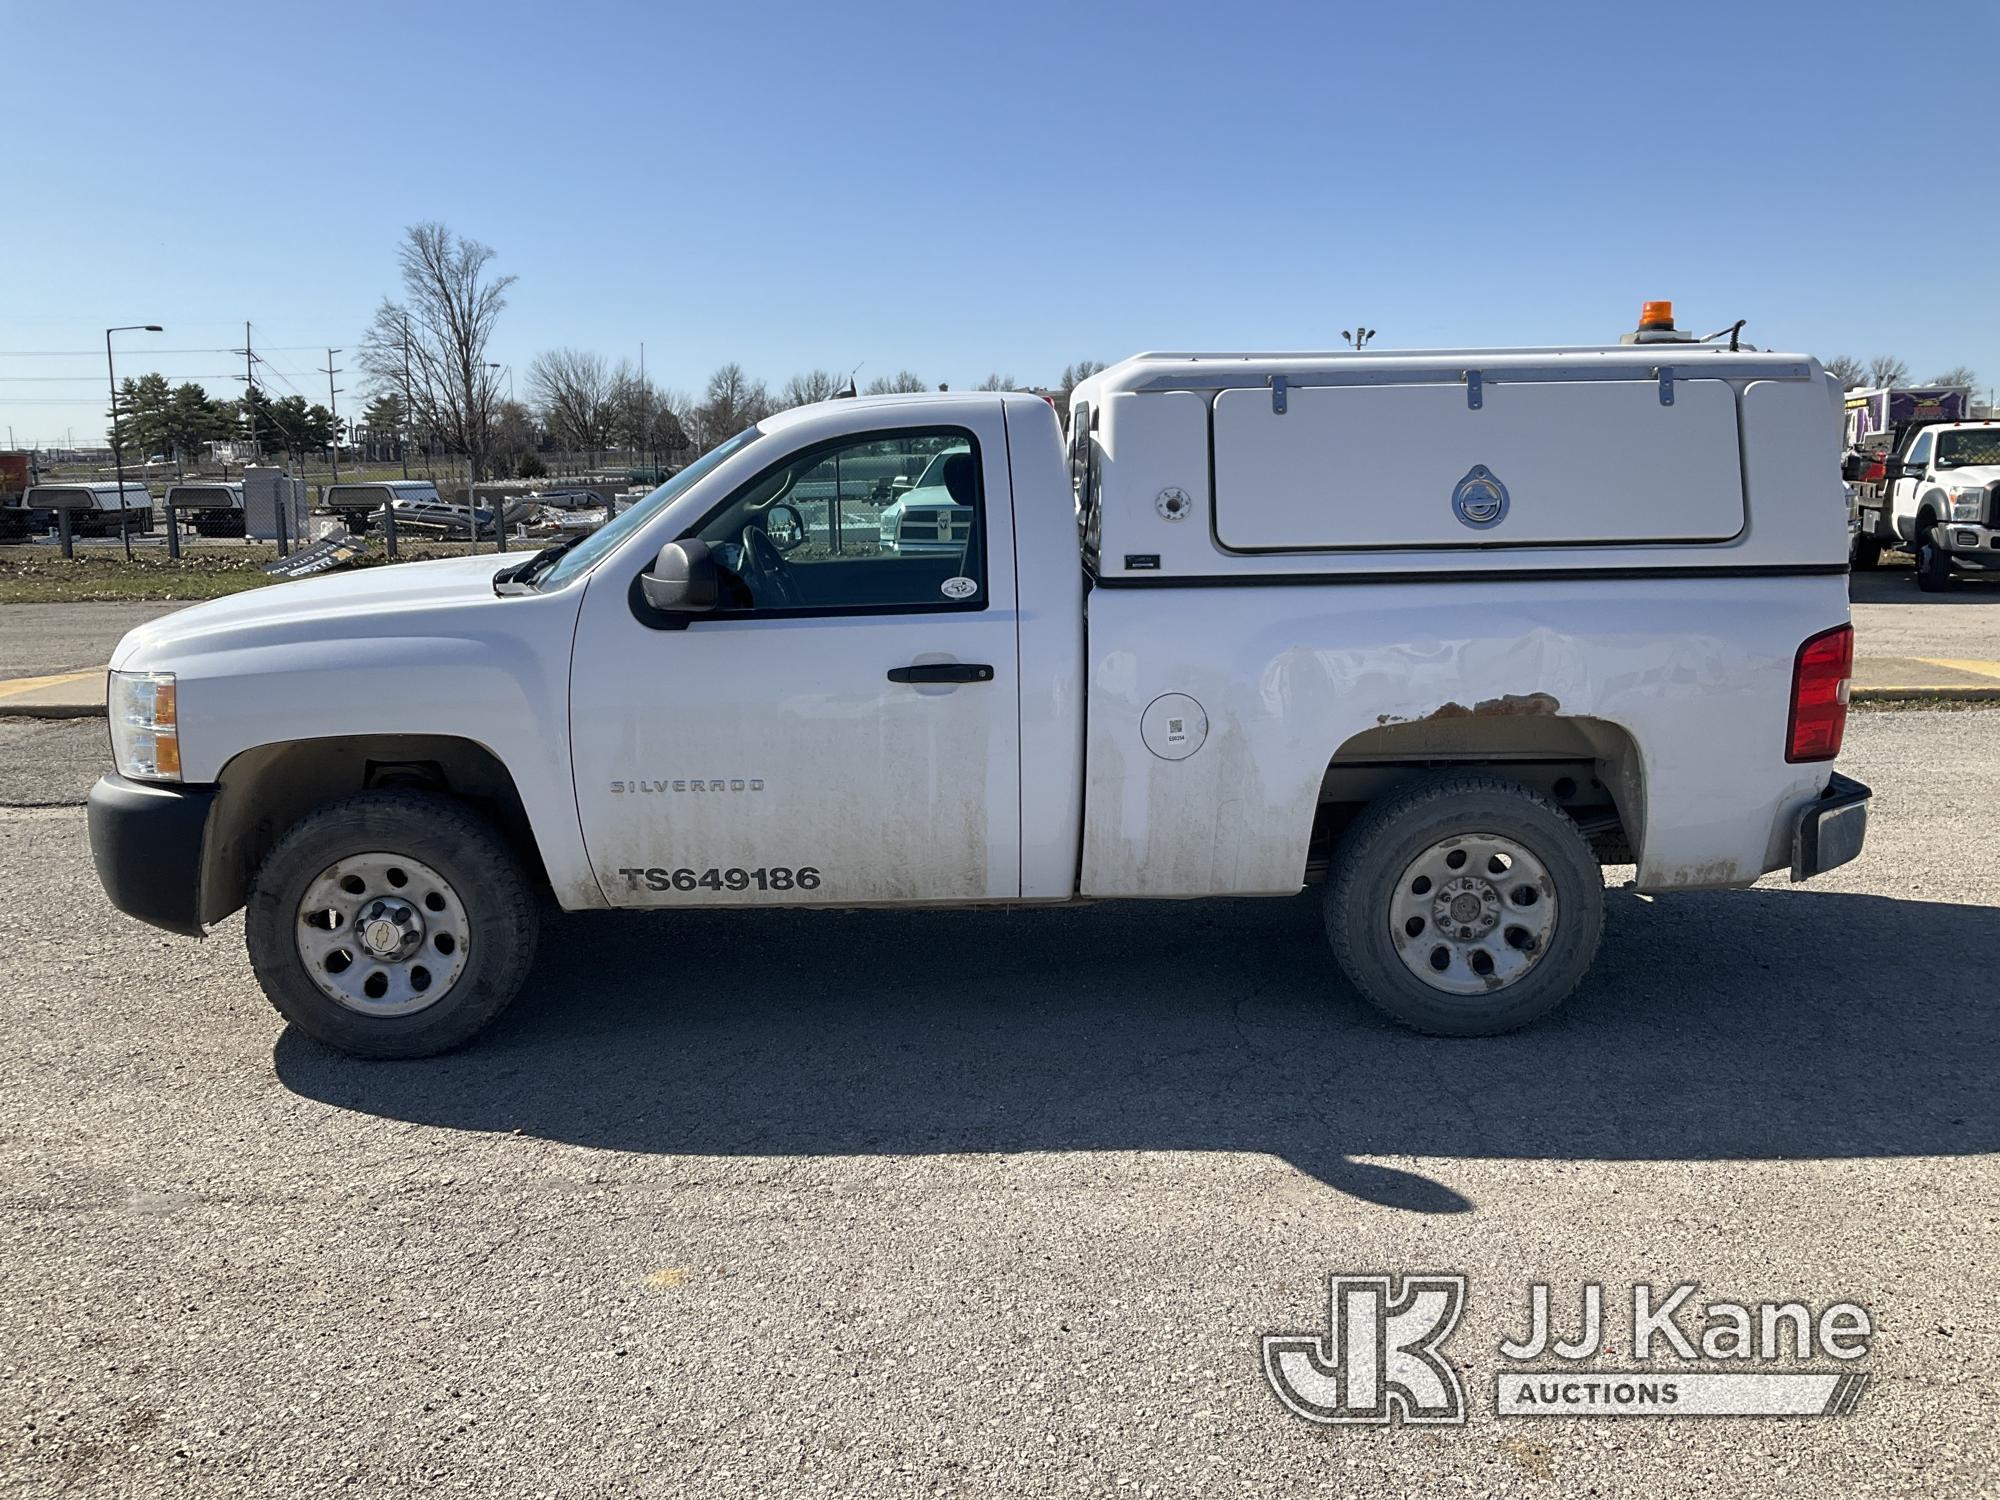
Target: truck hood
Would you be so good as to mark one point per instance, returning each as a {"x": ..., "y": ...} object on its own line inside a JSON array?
[
  {"x": 1969, "y": 476},
  {"x": 357, "y": 603}
]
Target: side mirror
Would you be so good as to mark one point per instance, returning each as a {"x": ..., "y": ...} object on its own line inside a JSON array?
[
  {"x": 683, "y": 579},
  {"x": 785, "y": 526}
]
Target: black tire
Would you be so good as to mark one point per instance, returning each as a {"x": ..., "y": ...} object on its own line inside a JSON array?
[
  {"x": 1380, "y": 846},
  {"x": 1933, "y": 563},
  {"x": 459, "y": 845},
  {"x": 1867, "y": 553}
]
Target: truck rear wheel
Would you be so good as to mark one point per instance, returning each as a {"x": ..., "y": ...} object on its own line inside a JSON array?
[
  {"x": 1465, "y": 905},
  {"x": 391, "y": 924},
  {"x": 1867, "y": 552}
]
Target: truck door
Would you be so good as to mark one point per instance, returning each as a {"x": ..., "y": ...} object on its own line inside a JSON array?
[
  {"x": 844, "y": 729},
  {"x": 1903, "y": 506}
]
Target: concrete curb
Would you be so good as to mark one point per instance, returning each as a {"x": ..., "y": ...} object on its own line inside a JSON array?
[
  {"x": 51, "y": 710},
  {"x": 61, "y": 695},
  {"x": 1952, "y": 693}
]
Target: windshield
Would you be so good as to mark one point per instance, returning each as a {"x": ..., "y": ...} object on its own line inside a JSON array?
[
  {"x": 1980, "y": 445},
  {"x": 606, "y": 538}
]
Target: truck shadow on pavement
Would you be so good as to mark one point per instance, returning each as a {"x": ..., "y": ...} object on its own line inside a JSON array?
[
  {"x": 1767, "y": 1024},
  {"x": 1893, "y": 583}
]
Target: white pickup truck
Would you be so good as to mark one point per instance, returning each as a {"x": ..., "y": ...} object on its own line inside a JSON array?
[
  {"x": 1944, "y": 501},
  {"x": 1442, "y": 631}
]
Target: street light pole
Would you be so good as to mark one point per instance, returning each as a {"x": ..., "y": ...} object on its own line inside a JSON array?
[{"x": 117, "y": 448}]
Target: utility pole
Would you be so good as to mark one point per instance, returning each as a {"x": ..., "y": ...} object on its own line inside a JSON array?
[
  {"x": 333, "y": 410},
  {"x": 645, "y": 410},
  {"x": 250, "y": 386},
  {"x": 409, "y": 410},
  {"x": 117, "y": 446}
]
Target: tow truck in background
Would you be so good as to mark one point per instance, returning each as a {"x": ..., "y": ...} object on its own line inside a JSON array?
[{"x": 1881, "y": 427}]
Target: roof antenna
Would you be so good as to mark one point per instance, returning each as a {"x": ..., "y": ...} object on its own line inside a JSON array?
[
  {"x": 850, "y": 391},
  {"x": 1735, "y": 332}
]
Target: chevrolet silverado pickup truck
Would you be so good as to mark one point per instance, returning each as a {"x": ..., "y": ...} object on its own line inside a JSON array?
[{"x": 1442, "y": 633}]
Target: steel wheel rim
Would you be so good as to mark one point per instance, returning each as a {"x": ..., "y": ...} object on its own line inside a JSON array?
[
  {"x": 382, "y": 934},
  {"x": 1473, "y": 913}
]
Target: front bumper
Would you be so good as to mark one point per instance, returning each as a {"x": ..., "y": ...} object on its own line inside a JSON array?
[
  {"x": 1829, "y": 832},
  {"x": 146, "y": 841},
  {"x": 1970, "y": 546}
]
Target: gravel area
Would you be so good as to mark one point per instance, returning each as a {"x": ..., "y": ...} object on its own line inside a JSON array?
[{"x": 986, "y": 1203}]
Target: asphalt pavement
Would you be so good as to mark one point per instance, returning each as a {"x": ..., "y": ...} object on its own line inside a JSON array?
[
  {"x": 37, "y": 640},
  {"x": 986, "y": 1202}
]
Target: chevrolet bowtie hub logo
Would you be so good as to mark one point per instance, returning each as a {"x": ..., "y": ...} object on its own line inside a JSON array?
[{"x": 1378, "y": 1356}]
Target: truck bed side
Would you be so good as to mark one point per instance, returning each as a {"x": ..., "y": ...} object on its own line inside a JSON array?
[{"x": 1677, "y": 688}]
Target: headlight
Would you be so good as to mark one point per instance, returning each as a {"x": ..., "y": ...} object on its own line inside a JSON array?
[
  {"x": 1968, "y": 505},
  {"x": 145, "y": 726}
]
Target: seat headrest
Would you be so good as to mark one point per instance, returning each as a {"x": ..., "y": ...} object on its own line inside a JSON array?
[{"x": 961, "y": 480}]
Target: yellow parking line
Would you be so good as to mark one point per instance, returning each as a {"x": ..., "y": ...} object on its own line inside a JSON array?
[
  {"x": 1977, "y": 668},
  {"x": 11, "y": 686}
]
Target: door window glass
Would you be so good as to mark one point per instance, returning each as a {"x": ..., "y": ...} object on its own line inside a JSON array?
[{"x": 884, "y": 521}]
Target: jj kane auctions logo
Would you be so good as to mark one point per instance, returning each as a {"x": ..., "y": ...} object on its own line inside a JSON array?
[{"x": 1381, "y": 1357}]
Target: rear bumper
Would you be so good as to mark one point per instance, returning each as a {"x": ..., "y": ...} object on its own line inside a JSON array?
[
  {"x": 1829, "y": 832},
  {"x": 146, "y": 841}
]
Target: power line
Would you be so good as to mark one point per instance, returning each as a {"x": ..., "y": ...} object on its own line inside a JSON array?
[{"x": 93, "y": 353}]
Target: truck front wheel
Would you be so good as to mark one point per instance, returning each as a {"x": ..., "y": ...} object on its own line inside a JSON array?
[
  {"x": 1933, "y": 563},
  {"x": 1465, "y": 905},
  {"x": 391, "y": 924}
]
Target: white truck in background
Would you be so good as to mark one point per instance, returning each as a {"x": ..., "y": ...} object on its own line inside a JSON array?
[
  {"x": 1440, "y": 631},
  {"x": 1880, "y": 428},
  {"x": 1939, "y": 496}
]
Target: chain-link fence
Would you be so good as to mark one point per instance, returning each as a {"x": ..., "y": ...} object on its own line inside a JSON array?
[{"x": 425, "y": 500}]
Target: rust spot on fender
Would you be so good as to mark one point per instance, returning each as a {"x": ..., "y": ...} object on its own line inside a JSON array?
[{"x": 1510, "y": 705}]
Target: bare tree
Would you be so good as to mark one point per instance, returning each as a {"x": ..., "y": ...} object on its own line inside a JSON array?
[
  {"x": 731, "y": 403},
  {"x": 998, "y": 383},
  {"x": 902, "y": 383},
  {"x": 1850, "y": 370},
  {"x": 1076, "y": 374},
  {"x": 431, "y": 346},
  {"x": 573, "y": 388},
  {"x": 1886, "y": 369},
  {"x": 645, "y": 418},
  {"x": 513, "y": 435},
  {"x": 1963, "y": 375},
  {"x": 809, "y": 386}
]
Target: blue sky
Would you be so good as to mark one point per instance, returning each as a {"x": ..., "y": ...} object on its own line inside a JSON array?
[{"x": 960, "y": 189}]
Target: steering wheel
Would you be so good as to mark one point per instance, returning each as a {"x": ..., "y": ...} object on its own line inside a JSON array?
[{"x": 766, "y": 570}]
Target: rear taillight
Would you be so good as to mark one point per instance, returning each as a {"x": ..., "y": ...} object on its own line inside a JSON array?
[{"x": 1819, "y": 695}]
